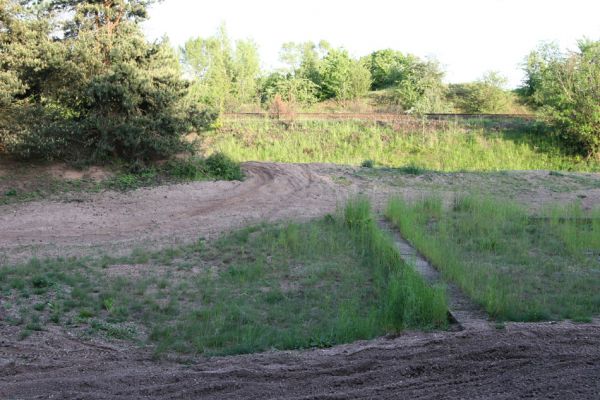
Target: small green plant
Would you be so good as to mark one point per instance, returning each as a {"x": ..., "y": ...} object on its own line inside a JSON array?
[
  {"x": 367, "y": 164},
  {"x": 10, "y": 192},
  {"x": 220, "y": 166},
  {"x": 412, "y": 170}
]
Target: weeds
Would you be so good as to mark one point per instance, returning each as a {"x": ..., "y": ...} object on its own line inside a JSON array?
[{"x": 407, "y": 300}]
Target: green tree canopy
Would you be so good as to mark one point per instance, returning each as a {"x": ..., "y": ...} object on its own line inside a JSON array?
[
  {"x": 90, "y": 87},
  {"x": 388, "y": 67},
  {"x": 222, "y": 77},
  {"x": 566, "y": 89}
]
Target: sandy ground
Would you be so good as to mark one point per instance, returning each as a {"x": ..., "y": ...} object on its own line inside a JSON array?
[{"x": 521, "y": 361}]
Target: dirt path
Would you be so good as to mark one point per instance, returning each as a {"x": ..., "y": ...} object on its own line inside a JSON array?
[
  {"x": 166, "y": 215},
  {"x": 538, "y": 361}
]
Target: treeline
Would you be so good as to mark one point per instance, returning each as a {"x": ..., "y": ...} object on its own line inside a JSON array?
[
  {"x": 79, "y": 82},
  {"x": 227, "y": 76}
]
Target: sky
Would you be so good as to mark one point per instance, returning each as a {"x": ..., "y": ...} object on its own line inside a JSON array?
[{"x": 467, "y": 37}]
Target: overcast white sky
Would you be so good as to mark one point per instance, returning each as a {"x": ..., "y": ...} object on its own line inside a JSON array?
[{"x": 468, "y": 37}]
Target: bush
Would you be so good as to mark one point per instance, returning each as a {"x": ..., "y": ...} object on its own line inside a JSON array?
[
  {"x": 100, "y": 93},
  {"x": 221, "y": 166},
  {"x": 217, "y": 166},
  {"x": 421, "y": 89},
  {"x": 566, "y": 89},
  {"x": 342, "y": 77},
  {"x": 485, "y": 96}
]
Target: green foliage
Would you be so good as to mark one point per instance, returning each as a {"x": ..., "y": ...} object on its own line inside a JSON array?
[
  {"x": 566, "y": 88},
  {"x": 304, "y": 59},
  {"x": 216, "y": 166},
  {"x": 97, "y": 92},
  {"x": 219, "y": 165},
  {"x": 517, "y": 266},
  {"x": 292, "y": 89},
  {"x": 317, "y": 73},
  {"x": 342, "y": 77},
  {"x": 421, "y": 89},
  {"x": 223, "y": 78},
  {"x": 485, "y": 96},
  {"x": 367, "y": 164},
  {"x": 388, "y": 67}
]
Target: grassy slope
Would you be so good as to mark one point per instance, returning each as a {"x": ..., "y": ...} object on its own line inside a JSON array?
[
  {"x": 517, "y": 266},
  {"x": 480, "y": 146},
  {"x": 291, "y": 286}
]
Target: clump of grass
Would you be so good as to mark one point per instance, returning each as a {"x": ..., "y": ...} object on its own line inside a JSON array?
[
  {"x": 367, "y": 164},
  {"x": 215, "y": 166},
  {"x": 411, "y": 170},
  {"x": 517, "y": 266}
]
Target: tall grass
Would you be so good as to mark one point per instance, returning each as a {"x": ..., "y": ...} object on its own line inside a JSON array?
[
  {"x": 457, "y": 147},
  {"x": 406, "y": 299},
  {"x": 516, "y": 265}
]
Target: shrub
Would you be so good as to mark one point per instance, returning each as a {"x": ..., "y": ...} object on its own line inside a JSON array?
[
  {"x": 219, "y": 165},
  {"x": 99, "y": 93},
  {"x": 342, "y": 77},
  {"x": 486, "y": 95},
  {"x": 566, "y": 88}
]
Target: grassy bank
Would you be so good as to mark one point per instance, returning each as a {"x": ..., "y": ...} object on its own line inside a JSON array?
[
  {"x": 468, "y": 146},
  {"x": 517, "y": 266},
  {"x": 293, "y": 286}
]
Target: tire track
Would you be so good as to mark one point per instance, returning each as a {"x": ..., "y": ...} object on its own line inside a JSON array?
[{"x": 166, "y": 215}]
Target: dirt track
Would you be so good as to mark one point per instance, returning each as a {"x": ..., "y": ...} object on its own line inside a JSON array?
[
  {"x": 162, "y": 216},
  {"x": 542, "y": 361},
  {"x": 166, "y": 215},
  {"x": 521, "y": 361}
]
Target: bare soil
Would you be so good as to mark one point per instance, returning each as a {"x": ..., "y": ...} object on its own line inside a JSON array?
[
  {"x": 546, "y": 360},
  {"x": 538, "y": 361}
]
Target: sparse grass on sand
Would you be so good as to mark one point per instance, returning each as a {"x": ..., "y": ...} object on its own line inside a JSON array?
[
  {"x": 518, "y": 266},
  {"x": 456, "y": 146},
  {"x": 319, "y": 283}
]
